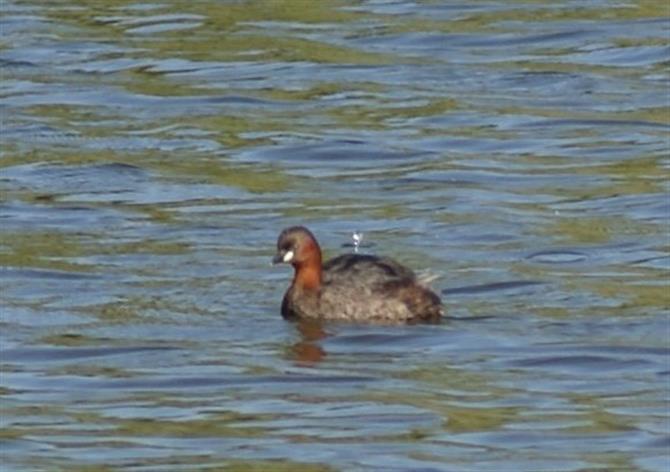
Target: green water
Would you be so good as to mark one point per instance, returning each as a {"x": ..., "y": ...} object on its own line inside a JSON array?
[{"x": 152, "y": 152}]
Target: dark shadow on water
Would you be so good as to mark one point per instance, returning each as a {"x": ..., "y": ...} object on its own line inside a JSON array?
[
  {"x": 308, "y": 351},
  {"x": 497, "y": 286},
  {"x": 317, "y": 340},
  {"x": 46, "y": 354},
  {"x": 576, "y": 363},
  {"x": 16, "y": 273}
]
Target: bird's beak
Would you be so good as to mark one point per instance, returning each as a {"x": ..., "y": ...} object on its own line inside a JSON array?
[
  {"x": 278, "y": 259},
  {"x": 283, "y": 256}
]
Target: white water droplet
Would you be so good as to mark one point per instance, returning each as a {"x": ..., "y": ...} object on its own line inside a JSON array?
[{"x": 357, "y": 236}]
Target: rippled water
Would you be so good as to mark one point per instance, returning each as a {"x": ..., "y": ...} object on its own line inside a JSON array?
[{"x": 151, "y": 152}]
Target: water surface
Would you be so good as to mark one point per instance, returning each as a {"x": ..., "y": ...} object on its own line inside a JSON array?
[{"x": 151, "y": 153}]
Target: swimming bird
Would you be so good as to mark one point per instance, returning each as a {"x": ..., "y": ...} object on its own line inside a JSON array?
[{"x": 351, "y": 287}]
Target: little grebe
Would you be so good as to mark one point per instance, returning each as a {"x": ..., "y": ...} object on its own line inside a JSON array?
[{"x": 351, "y": 287}]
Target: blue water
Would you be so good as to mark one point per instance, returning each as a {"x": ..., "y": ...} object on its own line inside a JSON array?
[{"x": 152, "y": 152}]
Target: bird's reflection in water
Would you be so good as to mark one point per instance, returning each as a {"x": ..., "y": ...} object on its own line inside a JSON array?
[{"x": 308, "y": 350}]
